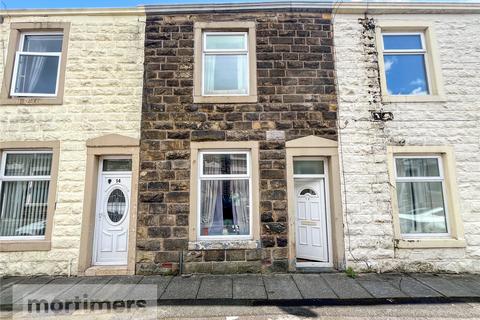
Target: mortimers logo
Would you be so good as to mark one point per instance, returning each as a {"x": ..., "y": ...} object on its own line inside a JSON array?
[{"x": 33, "y": 300}]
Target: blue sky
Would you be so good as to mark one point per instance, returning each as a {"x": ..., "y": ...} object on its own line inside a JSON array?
[{"x": 22, "y": 4}]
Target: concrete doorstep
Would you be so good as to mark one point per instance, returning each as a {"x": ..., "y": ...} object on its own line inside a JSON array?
[{"x": 245, "y": 289}]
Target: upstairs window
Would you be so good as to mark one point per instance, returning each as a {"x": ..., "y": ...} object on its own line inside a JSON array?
[
  {"x": 37, "y": 64},
  {"x": 404, "y": 56},
  {"x": 409, "y": 62},
  {"x": 225, "y": 63}
]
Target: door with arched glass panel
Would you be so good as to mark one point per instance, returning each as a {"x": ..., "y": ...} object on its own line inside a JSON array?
[
  {"x": 311, "y": 216},
  {"x": 113, "y": 212}
]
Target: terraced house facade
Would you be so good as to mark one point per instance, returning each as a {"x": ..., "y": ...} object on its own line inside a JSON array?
[{"x": 240, "y": 138}]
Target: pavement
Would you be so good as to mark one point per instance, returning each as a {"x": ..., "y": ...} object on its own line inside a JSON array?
[{"x": 250, "y": 289}]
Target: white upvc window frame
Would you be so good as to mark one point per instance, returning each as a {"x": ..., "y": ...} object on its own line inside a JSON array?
[
  {"x": 440, "y": 178},
  {"x": 4, "y": 178},
  {"x": 203, "y": 177},
  {"x": 423, "y": 51},
  {"x": 20, "y": 52},
  {"x": 205, "y": 52}
]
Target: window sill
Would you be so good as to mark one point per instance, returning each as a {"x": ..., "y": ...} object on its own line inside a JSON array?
[
  {"x": 27, "y": 245},
  {"x": 224, "y": 99},
  {"x": 30, "y": 101},
  {"x": 223, "y": 244},
  {"x": 429, "y": 243},
  {"x": 433, "y": 98}
]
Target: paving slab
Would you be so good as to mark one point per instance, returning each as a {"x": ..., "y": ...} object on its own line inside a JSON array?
[
  {"x": 86, "y": 285},
  {"x": 248, "y": 287},
  {"x": 6, "y": 295},
  {"x": 345, "y": 287},
  {"x": 378, "y": 287},
  {"x": 410, "y": 286},
  {"x": 160, "y": 281},
  {"x": 313, "y": 286},
  {"x": 444, "y": 286},
  {"x": 281, "y": 287},
  {"x": 7, "y": 282},
  {"x": 471, "y": 282},
  {"x": 117, "y": 288},
  {"x": 55, "y": 288},
  {"x": 182, "y": 288},
  {"x": 215, "y": 287}
]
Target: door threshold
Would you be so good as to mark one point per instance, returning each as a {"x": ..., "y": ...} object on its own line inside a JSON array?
[
  {"x": 313, "y": 264},
  {"x": 107, "y": 271},
  {"x": 314, "y": 267}
]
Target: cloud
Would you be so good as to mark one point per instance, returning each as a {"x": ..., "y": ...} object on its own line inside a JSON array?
[
  {"x": 389, "y": 63},
  {"x": 419, "y": 91},
  {"x": 417, "y": 82}
]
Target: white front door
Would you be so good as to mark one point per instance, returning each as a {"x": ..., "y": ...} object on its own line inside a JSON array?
[
  {"x": 311, "y": 220},
  {"x": 112, "y": 218}
]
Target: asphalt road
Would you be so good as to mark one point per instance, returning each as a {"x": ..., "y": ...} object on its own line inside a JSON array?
[{"x": 404, "y": 312}]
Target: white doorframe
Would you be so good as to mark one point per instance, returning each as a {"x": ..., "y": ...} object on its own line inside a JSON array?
[
  {"x": 324, "y": 176},
  {"x": 99, "y": 202}
]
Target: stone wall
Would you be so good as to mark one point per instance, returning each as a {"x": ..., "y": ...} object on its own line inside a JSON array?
[
  {"x": 456, "y": 122},
  {"x": 103, "y": 92},
  {"x": 296, "y": 97}
]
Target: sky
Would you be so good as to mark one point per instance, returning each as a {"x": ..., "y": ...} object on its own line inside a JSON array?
[{"x": 26, "y": 4}]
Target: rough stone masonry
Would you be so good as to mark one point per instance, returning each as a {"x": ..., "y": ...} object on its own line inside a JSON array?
[{"x": 296, "y": 98}]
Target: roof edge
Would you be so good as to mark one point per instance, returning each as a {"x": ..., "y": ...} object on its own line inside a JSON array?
[
  {"x": 73, "y": 12},
  {"x": 348, "y": 7}
]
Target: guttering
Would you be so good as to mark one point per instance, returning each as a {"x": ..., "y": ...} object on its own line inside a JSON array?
[
  {"x": 245, "y": 6},
  {"x": 73, "y": 12},
  {"x": 337, "y": 6},
  {"x": 408, "y": 7}
]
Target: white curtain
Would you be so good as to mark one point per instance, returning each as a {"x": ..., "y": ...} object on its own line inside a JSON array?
[
  {"x": 31, "y": 67},
  {"x": 211, "y": 201},
  {"x": 242, "y": 74},
  {"x": 209, "y": 73},
  {"x": 33, "y": 72},
  {"x": 421, "y": 207},
  {"x": 240, "y": 199}
]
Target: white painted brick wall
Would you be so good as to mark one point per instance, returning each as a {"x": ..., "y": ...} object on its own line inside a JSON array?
[
  {"x": 103, "y": 95},
  {"x": 369, "y": 236}
]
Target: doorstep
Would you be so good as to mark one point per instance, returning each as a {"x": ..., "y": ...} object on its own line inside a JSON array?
[{"x": 106, "y": 271}]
